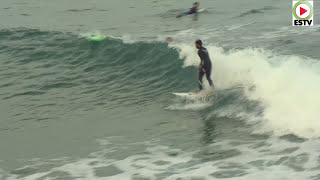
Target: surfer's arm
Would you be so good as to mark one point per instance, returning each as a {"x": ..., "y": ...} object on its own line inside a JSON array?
[{"x": 202, "y": 57}]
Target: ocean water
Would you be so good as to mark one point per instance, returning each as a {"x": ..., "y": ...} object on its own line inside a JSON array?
[{"x": 78, "y": 109}]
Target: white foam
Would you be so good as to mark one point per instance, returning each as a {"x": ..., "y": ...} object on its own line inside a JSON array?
[
  {"x": 255, "y": 159},
  {"x": 128, "y": 39},
  {"x": 287, "y": 86}
]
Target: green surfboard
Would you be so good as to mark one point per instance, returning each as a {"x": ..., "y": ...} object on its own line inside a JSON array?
[{"x": 97, "y": 38}]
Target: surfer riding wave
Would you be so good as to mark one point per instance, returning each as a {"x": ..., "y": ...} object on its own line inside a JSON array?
[{"x": 205, "y": 64}]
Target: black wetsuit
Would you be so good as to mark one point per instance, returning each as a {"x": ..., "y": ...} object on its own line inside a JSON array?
[
  {"x": 206, "y": 65},
  {"x": 193, "y": 10}
]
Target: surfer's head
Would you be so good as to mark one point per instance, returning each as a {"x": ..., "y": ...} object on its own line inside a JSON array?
[
  {"x": 169, "y": 39},
  {"x": 196, "y": 4},
  {"x": 198, "y": 43}
]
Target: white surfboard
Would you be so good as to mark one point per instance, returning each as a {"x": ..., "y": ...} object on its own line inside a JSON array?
[
  {"x": 194, "y": 94},
  {"x": 201, "y": 10},
  {"x": 185, "y": 94}
]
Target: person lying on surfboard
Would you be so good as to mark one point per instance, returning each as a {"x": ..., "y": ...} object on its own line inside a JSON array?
[
  {"x": 205, "y": 64},
  {"x": 193, "y": 10}
]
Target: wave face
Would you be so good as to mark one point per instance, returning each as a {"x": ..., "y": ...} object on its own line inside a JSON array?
[{"x": 39, "y": 63}]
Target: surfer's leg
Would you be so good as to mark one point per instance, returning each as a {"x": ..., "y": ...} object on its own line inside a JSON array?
[
  {"x": 200, "y": 80},
  {"x": 208, "y": 74}
]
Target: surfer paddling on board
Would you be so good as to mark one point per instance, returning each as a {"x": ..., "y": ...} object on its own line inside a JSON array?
[
  {"x": 193, "y": 10},
  {"x": 205, "y": 64}
]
